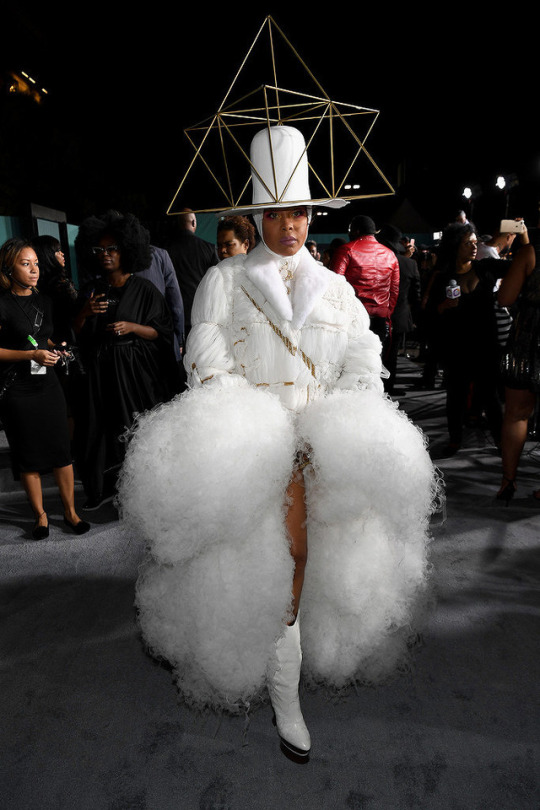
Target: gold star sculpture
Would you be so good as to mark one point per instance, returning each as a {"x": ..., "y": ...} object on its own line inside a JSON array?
[{"x": 221, "y": 142}]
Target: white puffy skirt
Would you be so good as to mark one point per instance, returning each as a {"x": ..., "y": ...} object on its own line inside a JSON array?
[{"x": 204, "y": 483}]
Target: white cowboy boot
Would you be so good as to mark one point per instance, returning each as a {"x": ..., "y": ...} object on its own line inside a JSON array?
[{"x": 283, "y": 679}]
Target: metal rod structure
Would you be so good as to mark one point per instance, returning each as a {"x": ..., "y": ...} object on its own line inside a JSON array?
[{"x": 285, "y": 110}]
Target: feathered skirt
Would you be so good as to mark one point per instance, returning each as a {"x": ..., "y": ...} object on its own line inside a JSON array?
[{"x": 204, "y": 484}]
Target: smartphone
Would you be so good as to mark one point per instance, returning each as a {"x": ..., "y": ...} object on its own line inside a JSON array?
[{"x": 512, "y": 226}]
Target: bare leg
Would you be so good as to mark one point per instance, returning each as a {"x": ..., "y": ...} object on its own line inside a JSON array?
[
  {"x": 296, "y": 527},
  {"x": 31, "y": 482},
  {"x": 66, "y": 487},
  {"x": 284, "y": 669},
  {"x": 519, "y": 406}
]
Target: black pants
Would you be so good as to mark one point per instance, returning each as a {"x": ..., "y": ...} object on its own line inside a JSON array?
[
  {"x": 380, "y": 327},
  {"x": 390, "y": 359}
]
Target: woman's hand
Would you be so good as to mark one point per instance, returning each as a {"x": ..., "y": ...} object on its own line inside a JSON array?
[
  {"x": 59, "y": 348},
  {"x": 121, "y": 328},
  {"x": 95, "y": 305},
  {"x": 43, "y": 357}
]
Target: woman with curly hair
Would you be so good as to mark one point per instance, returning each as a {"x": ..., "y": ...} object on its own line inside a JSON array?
[
  {"x": 235, "y": 235},
  {"x": 126, "y": 337},
  {"x": 32, "y": 406}
]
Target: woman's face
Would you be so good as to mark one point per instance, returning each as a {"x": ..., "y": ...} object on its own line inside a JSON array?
[
  {"x": 25, "y": 270},
  {"x": 467, "y": 248},
  {"x": 109, "y": 256},
  {"x": 229, "y": 245},
  {"x": 285, "y": 229},
  {"x": 59, "y": 256}
]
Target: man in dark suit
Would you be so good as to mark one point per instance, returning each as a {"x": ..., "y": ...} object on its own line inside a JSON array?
[
  {"x": 191, "y": 258},
  {"x": 161, "y": 273},
  {"x": 408, "y": 301}
]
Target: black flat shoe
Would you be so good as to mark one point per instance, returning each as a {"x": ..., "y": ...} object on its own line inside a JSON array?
[
  {"x": 79, "y": 528},
  {"x": 40, "y": 532}
]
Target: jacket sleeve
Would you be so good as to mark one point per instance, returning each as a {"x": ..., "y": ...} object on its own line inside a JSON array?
[
  {"x": 209, "y": 358},
  {"x": 394, "y": 287},
  {"x": 340, "y": 260},
  {"x": 362, "y": 368},
  {"x": 173, "y": 297}
]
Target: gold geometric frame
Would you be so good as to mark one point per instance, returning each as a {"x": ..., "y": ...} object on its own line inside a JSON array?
[{"x": 271, "y": 105}]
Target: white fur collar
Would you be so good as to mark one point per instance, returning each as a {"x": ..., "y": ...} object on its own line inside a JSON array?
[{"x": 309, "y": 284}]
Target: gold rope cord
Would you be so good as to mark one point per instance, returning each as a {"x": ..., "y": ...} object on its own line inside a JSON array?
[{"x": 291, "y": 348}]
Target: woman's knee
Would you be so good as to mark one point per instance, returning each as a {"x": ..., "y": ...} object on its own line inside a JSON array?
[
  {"x": 519, "y": 407},
  {"x": 299, "y": 553}
]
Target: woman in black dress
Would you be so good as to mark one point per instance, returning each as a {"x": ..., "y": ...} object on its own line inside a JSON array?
[
  {"x": 466, "y": 330},
  {"x": 125, "y": 334},
  {"x": 32, "y": 405}
]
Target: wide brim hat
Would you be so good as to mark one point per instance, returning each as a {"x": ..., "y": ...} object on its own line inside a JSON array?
[{"x": 280, "y": 173}]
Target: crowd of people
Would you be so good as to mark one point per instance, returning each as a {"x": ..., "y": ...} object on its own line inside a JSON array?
[
  {"x": 320, "y": 327},
  {"x": 461, "y": 301},
  {"x": 470, "y": 325}
]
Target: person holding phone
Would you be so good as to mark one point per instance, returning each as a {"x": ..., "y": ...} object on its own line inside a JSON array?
[
  {"x": 125, "y": 332},
  {"x": 501, "y": 243},
  {"x": 521, "y": 360}
]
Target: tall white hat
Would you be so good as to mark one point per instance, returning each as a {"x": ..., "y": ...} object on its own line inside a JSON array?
[{"x": 280, "y": 172}]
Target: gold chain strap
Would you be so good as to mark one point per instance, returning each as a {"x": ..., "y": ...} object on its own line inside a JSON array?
[{"x": 288, "y": 344}]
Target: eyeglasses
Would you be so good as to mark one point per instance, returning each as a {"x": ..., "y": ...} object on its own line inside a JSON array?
[{"x": 99, "y": 251}]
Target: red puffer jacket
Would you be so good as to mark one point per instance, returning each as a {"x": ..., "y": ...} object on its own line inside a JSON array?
[{"x": 373, "y": 271}]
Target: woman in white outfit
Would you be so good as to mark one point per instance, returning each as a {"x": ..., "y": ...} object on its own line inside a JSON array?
[{"x": 284, "y": 442}]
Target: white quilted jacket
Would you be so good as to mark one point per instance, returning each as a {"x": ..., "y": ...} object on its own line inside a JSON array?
[{"x": 298, "y": 338}]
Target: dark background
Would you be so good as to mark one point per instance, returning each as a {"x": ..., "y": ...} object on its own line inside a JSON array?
[{"x": 455, "y": 92}]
